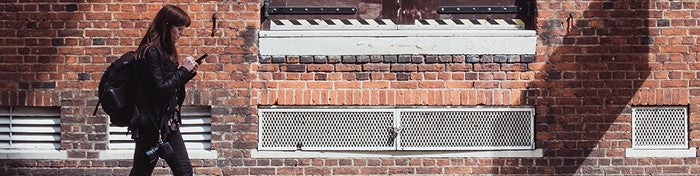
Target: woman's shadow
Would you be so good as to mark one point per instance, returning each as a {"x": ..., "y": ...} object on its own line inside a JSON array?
[{"x": 595, "y": 61}]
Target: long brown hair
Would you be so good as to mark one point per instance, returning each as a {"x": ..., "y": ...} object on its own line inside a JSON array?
[{"x": 158, "y": 33}]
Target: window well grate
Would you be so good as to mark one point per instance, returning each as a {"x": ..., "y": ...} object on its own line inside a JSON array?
[
  {"x": 659, "y": 127},
  {"x": 361, "y": 128},
  {"x": 468, "y": 129},
  {"x": 325, "y": 129}
]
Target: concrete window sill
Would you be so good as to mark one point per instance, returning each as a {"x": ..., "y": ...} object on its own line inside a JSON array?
[
  {"x": 673, "y": 153},
  {"x": 387, "y": 42}
]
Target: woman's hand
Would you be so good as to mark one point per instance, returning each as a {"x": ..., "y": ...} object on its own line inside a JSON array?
[{"x": 190, "y": 64}]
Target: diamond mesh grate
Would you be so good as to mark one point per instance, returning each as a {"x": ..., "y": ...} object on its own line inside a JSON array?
[
  {"x": 396, "y": 129},
  {"x": 487, "y": 129},
  {"x": 323, "y": 129},
  {"x": 659, "y": 127}
]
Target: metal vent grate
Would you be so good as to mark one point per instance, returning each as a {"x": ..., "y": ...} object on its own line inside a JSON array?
[
  {"x": 195, "y": 129},
  {"x": 325, "y": 129},
  {"x": 659, "y": 127},
  {"x": 468, "y": 129},
  {"x": 361, "y": 128},
  {"x": 30, "y": 128}
]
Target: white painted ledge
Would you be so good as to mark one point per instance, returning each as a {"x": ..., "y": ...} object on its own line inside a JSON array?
[
  {"x": 129, "y": 154},
  {"x": 391, "y": 42},
  {"x": 395, "y": 154},
  {"x": 34, "y": 154},
  {"x": 673, "y": 153}
]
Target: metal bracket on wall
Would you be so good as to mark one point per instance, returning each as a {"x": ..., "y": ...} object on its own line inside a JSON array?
[
  {"x": 311, "y": 10},
  {"x": 478, "y": 9},
  {"x": 268, "y": 10}
]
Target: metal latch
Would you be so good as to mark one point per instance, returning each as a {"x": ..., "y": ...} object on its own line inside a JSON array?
[{"x": 393, "y": 133}]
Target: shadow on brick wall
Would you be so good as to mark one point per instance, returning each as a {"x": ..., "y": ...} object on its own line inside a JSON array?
[{"x": 595, "y": 59}]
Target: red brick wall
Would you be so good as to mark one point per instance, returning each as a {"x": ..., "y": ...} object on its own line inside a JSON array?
[{"x": 594, "y": 60}]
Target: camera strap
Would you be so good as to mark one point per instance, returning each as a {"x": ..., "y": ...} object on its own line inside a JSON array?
[{"x": 160, "y": 137}]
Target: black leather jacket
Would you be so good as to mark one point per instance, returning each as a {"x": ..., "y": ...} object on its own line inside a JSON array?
[{"x": 161, "y": 89}]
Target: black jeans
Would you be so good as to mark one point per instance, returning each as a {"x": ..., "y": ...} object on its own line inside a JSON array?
[{"x": 179, "y": 161}]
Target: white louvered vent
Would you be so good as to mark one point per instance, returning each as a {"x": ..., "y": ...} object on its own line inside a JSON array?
[
  {"x": 362, "y": 128},
  {"x": 30, "y": 128},
  {"x": 195, "y": 129},
  {"x": 660, "y": 127}
]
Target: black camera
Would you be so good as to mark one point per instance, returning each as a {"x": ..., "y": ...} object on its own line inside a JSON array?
[{"x": 162, "y": 149}]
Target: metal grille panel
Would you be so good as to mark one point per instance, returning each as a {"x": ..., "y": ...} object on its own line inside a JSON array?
[
  {"x": 660, "y": 128},
  {"x": 469, "y": 130},
  {"x": 359, "y": 128},
  {"x": 324, "y": 129}
]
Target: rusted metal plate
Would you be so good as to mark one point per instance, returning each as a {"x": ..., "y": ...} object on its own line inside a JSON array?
[{"x": 405, "y": 11}]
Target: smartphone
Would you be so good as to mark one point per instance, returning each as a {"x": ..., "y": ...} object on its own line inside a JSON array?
[{"x": 199, "y": 61}]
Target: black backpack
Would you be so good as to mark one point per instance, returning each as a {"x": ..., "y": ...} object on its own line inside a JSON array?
[{"x": 117, "y": 89}]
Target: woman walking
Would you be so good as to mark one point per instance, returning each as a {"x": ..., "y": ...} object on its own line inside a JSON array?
[{"x": 161, "y": 89}]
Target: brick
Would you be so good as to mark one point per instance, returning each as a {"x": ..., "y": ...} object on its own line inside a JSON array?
[
  {"x": 347, "y": 68},
  {"x": 431, "y": 68},
  {"x": 290, "y": 171},
  {"x": 362, "y": 76},
  {"x": 44, "y": 85},
  {"x": 373, "y": 171},
  {"x": 292, "y": 59},
  {"x": 320, "y": 68},
  {"x": 391, "y": 59},
  {"x": 293, "y": 68},
  {"x": 306, "y": 59},
  {"x": 500, "y": 58},
  {"x": 362, "y": 59},
  {"x": 322, "y": 59},
  {"x": 84, "y": 76},
  {"x": 320, "y": 76},
  {"x": 401, "y": 170},
  {"x": 71, "y": 7},
  {"x": 445, "y": 59},
  {"x": 349, "y": 59},
  {"x": 57, "y": 42},
  {"x": 376, "y": 59},
  {"x": 99, "y": 41},
  {"x": 486, "y": 67},
  {"x": 431, "y": 59},
  {"x": 262, "y": 171},
  {"x": 278, "y": 59},
  {"x": 404, "y": 58},
  {"x": 431, "y": 84},
  {"x": 317, "y": 171},
  {"x": 345, "y": 171},
  {"x": 417, "y": 59},
  {"x": 486, "y": 58},
  {"x": 375, "y": 67},
  {"x": 403, "y": 68},
  {"x": 402, "y": 76}
]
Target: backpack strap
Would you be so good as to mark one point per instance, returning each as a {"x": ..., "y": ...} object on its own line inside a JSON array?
[{"x": 97, "y": 106}]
